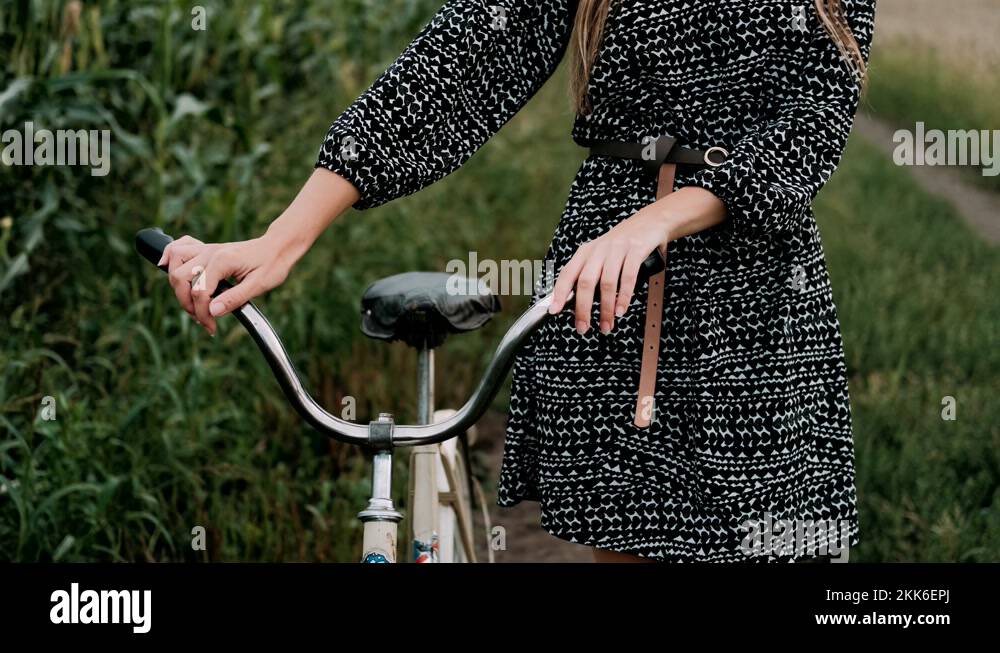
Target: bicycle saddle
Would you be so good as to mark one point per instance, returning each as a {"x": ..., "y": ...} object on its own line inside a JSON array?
[{"x": 422, "y": 308}]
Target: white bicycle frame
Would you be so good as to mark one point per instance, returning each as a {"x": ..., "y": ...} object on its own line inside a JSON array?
[{"x": 440, "y": 506}]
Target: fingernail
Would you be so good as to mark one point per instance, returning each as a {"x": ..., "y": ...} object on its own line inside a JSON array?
[
  {"x": 581, "y": 327},
  {"x": 619, "y": 311},
  {"x": 160, "y": 262},
  {"x": 605, "y": 328},
  {"x": 552, "y": 309},
  {"x": 216, "y": 308}
]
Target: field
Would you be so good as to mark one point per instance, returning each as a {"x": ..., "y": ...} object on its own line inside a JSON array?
[
  {"x": 931, "y": 64},
  {"x": 161, "y": 429}
]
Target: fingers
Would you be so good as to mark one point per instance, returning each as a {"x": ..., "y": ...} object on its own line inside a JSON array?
[
  {"x": 184, "y": 247},
  {"x": 609, "y": 285},
  {"x": 180, "y": 274},
  {"x": 217, "y": 268},
  {"x": 179, "y": 257},
  {"x": 196, "y": 269},
  {"x": 603, "y": 264},
  {"x": 567, "y": 279},
  {"x": 630, "y": 274},
  {"x": 235, "y": 297},
  {"x": 585, "y": 286}
]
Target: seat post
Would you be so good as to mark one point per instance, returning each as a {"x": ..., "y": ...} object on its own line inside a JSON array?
[
  {"x": 425, "y": 385},
  {"x": 424, "y": 468}
]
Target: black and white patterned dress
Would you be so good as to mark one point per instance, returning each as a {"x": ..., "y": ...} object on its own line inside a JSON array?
[{"x": 752, "y": 415}]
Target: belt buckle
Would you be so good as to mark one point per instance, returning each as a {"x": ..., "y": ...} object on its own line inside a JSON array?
[{"x": 708, "y": 156}]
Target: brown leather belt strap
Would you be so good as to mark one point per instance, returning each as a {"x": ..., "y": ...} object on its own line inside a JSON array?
[{"x": 646, "y": 403}]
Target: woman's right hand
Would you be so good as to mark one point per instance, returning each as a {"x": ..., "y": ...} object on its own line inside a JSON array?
[
  {"x": 260, "y": 264},
  {"x": 196, "y": 268}
]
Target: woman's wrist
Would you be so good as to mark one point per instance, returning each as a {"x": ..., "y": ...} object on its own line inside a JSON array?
[
  {"x": 286, "y": 238},
  {"x": 688, "y": 211},
  {"x": 669, "y": 223},
  {"x": 323, "y": 197},
  {"x": 662, "y": 222}
]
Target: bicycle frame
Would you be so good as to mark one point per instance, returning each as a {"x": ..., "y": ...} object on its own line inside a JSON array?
[{"x": 380, "y": 519}]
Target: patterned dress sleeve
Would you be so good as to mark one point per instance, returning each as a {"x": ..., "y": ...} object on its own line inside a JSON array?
[
  {"x": 462, "y": 78},
  {"x": 773, "y": 173}
]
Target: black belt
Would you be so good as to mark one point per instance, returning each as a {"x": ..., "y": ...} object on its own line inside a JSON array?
[{"x": 654, "y": 154}]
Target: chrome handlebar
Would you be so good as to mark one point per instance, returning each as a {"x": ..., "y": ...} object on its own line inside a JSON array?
[{"x": 382, "y": 433}]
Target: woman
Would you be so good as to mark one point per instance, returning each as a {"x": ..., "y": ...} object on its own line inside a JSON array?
[{"x": 712, "y": 126}]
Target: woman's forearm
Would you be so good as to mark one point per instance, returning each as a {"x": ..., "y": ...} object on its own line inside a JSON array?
[
  {"x": 323, "y": 197},
  {"x": 688, "y": 211}
]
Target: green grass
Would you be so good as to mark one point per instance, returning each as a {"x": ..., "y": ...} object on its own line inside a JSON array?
[
  {"x": 916, "y": 293},
  {"x": 911, "y": 84},
  {"x": 161, "y": 429}
]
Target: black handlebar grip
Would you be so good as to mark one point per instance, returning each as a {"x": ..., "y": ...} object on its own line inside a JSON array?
[
  {"x": 150, "y": 244},
  {"x": 652, "y": 265}
]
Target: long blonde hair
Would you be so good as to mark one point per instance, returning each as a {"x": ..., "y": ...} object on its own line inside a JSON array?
[{"x": 593, "y": 14}]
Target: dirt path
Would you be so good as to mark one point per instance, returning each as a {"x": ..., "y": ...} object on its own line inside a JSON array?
[
  {"x": 979, "y": 208},
  {"x": 525, "y": 539}
]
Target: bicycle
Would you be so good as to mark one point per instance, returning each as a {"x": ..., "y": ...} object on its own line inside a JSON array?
[{"x": 408, "y": 307}]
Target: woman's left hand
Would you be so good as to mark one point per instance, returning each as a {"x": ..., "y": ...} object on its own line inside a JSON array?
[{"x": 611, "y": 263}]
